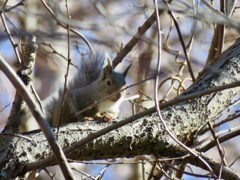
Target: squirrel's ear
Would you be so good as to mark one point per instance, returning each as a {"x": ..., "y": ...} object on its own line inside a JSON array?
[
  {"x": 126, "y": 70},
  {"x": 107, "y": 70}
]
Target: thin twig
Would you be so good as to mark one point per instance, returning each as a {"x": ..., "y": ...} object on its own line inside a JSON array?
[
  {"x": 182, "y": 43},
  {"x": 15, "y": 46},
  {"x": 150, "y": 176},
  {"x": 1, "y": 110},
  {"x": 217, "y": 42},
  {"x": 85, "y": 174},
  {"x": 17, "y": 135},
  {"x": 188, "y": 173},
  {"x": 37, "y": 98},
  {"x": 56, "y": 52},
  {"x": 129, "y": 46},
  {"x": 188, "y": 48},
  {"x": 68, "y": 66},
  {"x": 66, "y": 26},
  {"x": 12, "y": 7},
  {"x": 231, "y": 134},
  {"x": 156, "y": 96},
  {"x": 217, "y": 143}
]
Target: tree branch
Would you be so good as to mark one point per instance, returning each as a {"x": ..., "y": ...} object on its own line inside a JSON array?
[
  {"x": 144, "y": 136},
  {"x": 25, "y": 73}
]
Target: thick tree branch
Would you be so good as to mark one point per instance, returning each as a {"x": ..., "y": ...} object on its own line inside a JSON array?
[
  {"x": 144, "y": 136},
  {"x": 25, "y": 73}
]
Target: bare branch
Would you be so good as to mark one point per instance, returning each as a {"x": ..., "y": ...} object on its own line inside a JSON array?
[{"x": 25, "y": 73}]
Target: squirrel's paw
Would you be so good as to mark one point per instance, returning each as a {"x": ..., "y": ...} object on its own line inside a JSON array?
[
  {"x": 107, "y": 116},
  {"x": 88, "y": 118}
]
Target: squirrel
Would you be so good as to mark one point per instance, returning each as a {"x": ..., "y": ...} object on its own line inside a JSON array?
[{"x": 95, "y": 80}]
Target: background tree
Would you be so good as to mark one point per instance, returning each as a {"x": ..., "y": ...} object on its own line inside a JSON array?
[{"x": 186, "y": 41}]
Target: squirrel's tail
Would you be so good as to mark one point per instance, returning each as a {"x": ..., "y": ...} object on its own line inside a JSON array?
[{"x": 90, "y": 69}]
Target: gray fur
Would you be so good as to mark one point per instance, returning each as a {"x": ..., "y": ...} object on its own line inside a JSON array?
[
  {"x": 95, "y": 81},
  {"x": 89, "y": 70}
]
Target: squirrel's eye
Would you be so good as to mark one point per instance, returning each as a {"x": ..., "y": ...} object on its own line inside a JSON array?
[{"x": 109, "y": 82}]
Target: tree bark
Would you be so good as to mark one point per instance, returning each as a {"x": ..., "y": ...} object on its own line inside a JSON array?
[{"x": 143, "y": 136}]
